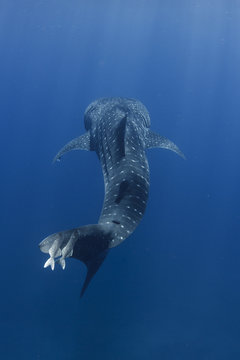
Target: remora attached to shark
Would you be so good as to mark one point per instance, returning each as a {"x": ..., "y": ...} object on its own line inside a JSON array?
[{"x": 118, "y": 131}]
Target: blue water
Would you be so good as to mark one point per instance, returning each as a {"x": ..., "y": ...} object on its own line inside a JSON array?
[{"x": 171, "y": 291}]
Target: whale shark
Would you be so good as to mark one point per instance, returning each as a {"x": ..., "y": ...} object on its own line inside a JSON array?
[{"x": 118, "y": 130}]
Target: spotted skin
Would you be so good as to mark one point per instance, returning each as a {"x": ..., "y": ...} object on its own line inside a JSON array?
[
  {"x": 118, "y": 131},
  {"x": 117, "y": 127}
]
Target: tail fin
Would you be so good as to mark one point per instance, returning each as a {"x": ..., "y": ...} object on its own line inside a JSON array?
[
  {"x": 92, "y": 268},
  {"x": 89, "y": 244}
]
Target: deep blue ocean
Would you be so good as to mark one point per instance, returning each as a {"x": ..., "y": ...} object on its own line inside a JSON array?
[{"x": 172, "y": 290}]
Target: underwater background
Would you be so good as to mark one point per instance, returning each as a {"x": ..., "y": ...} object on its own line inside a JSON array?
[{"x": 172, "y": 290}]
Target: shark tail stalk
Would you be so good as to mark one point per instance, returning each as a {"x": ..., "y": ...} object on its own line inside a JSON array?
[{"x": 89, "y": 244}]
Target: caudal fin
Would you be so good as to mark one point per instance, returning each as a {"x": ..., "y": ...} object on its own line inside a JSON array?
[
  {"x": 89, "y": 244},
  {"x": 92, "y": 268}
]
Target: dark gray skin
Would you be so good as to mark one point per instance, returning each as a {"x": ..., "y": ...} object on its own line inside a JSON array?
[{"x": 118, "y": 131}]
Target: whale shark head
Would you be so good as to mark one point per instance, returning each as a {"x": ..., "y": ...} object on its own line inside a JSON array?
[{"x": 105, "y": 107}]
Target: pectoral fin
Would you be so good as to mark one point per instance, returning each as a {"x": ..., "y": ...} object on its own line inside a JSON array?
[
  {"x": 80, "y": 143},
  {"x": 154, "y": 140}
]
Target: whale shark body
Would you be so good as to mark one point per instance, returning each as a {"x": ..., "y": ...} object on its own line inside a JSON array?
[{"x": 117, "y": 129}]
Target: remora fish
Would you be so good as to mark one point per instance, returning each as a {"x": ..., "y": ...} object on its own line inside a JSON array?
[{"x": 118, "y": 131}]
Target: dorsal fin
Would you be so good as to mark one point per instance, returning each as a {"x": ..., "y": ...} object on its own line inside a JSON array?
[{"x": 120, "y": 132}]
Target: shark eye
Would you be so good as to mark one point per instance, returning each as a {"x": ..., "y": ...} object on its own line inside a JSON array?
[{"x": 116, "y": 222}]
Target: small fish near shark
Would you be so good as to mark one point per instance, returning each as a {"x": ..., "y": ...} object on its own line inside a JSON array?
[{"x": 117, "y": 129}]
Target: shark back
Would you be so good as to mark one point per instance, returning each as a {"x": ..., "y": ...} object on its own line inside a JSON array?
[
  {"x": 118, "y": 131},
  {"x": 118, "y": 134}
]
